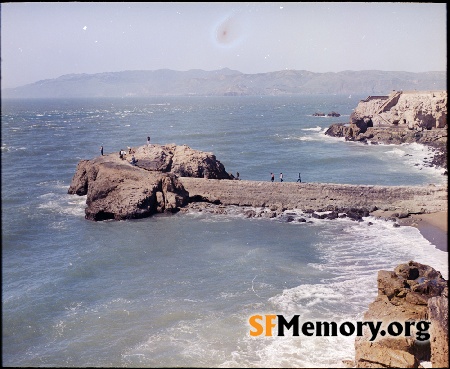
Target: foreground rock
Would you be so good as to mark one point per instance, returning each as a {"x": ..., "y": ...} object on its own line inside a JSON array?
[
  {"x": 412, "y": 292},
  {"x": 116, "y": 189},
  {"x": 401, "y": 117}
]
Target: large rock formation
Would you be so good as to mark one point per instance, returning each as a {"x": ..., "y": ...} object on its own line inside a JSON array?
[
  {"x": 166, "y": 178},
  {"x": 401, "y": 117},
  {"x": 116, "y": 189},
  {"x": 417, "y": 110},
  {"x": 413, "y": 292}
]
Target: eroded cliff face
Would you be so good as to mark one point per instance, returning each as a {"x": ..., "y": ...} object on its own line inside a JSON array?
[
  {"x": 416, "y": 110},
  {"x": 116, "y": 189},
  {"x": 413, "y": 292},
  {"x": 401, "y": 117}
]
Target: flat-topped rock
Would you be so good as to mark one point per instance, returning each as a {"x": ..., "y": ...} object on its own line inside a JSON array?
[{"x": 318, "y": 196}]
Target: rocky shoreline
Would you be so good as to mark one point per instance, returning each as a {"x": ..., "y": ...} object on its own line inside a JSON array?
[
  {"x": 398, "y": 118},
  {"x": 435, "y": 139}
]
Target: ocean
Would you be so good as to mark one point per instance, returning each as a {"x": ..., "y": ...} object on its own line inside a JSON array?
[{"x": 178, "y": 290}]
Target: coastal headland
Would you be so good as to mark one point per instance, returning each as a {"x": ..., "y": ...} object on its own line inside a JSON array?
[{"x": 398, "y": 118}]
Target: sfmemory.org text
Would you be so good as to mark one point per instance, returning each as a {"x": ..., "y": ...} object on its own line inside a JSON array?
[{"x": 275, "y": 325}]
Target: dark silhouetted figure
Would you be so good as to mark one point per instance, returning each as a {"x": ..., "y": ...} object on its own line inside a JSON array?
[
  {"x": 281, "y": 177},
  {"x": 299, "y": 178},
  {"x": 272, "y": 177},
  {"x": 101, "y": 150}
]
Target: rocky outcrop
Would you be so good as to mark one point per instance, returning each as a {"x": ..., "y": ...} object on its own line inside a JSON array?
[
  {"x": 166, "y": 178},
  {"x": 116, "y": 189},
  {"x": 417, "y": 110},
  {"x": 414, "y": 293},
  {"x": 387, "y": 135},
  {"x": 330, "y": 114},
  {"x": 333, "y": 114},
  {"x": 401, "y": 117}
]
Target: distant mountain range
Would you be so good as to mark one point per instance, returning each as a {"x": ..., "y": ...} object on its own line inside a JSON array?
[{"x": 226, "y": 82}]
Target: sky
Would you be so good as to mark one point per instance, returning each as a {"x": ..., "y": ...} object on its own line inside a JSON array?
[{"x": 45, "y": 40}]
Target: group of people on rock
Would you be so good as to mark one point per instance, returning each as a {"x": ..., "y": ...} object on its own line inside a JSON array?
[
  {"x": 133, "y": 161},
  {"x": 272, "y": 177},
  {"x": 122, "y": 153}
]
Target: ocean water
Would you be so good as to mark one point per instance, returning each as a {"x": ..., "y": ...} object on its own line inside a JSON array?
[{"x": 178, "y": 290}]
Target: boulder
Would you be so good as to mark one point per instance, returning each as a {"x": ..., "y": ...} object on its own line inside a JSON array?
[{"x": 413, "y": 292}]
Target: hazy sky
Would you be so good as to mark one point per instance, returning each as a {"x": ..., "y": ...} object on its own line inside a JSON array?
[{"x": 46, "y": 40}]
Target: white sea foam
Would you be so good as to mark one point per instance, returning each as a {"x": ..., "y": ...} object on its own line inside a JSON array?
[
  {"x": 317, "y": 128},
  {"x": 63, "y": 204},
  {"x": 415, "y": 157},
  {"x": 291, "y": 352},
  {"x": 301, "y": 138}
]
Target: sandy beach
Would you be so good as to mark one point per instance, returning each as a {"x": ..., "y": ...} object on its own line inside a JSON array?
[{"x": 432, "y": 226}]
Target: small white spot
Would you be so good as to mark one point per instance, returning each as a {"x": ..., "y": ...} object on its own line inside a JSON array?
[{"x": 85, "y": 28}]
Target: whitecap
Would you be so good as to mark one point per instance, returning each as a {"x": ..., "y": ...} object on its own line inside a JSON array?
[{"x": 317, "y": 128}]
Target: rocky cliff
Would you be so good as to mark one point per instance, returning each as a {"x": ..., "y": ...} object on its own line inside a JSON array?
[
  {"x": 413, "y": 292},
  {"x": 416, "y": 110},
  {"x": 400, "y": 117}
]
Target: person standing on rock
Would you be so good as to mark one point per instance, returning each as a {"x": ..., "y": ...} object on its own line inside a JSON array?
[
  {"x": 281, "y": 177},
  {"x": 101, "y": 150},
  {"x": 299, "y": 178},
  {"x": 148, "y": 141},
  {"x": 272, "y": 177}
]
